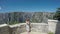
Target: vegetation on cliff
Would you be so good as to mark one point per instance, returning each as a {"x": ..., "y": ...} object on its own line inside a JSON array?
[{"x": 19, "y": 17}]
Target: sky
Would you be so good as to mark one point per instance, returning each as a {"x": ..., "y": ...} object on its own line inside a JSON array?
[{"x": 29, "y": 5}]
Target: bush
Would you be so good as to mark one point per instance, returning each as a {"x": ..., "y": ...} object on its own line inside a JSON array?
[
  {"x": 11, "y": 23},
  {"x": 50, "y": 33},
  {"x": 57, "y": 14}
]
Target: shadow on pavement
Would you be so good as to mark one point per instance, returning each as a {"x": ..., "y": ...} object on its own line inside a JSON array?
[{"x": 57, "y": 28}]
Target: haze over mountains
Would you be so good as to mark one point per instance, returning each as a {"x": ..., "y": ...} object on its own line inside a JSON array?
[{"x": 20, "y": 17}]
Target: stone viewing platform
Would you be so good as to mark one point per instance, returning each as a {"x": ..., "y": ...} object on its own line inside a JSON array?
[
  {"x": 36, "y": 28},
  {"x": 33, "y": 33}
]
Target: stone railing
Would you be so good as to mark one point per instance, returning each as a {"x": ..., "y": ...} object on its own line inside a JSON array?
[
  {"x": 52, "y": 25},
  {"x": 40, "y": 27},
  {"x": 19, "y": 28},
  {"x": 37, "y": 27},
  {"x": 4, "y": 29}
]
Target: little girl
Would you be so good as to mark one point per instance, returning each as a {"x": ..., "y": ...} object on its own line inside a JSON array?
[{"x": 28, "y": 27}]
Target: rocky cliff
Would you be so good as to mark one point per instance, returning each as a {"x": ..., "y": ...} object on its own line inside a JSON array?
[{"x": 19, "y": 17}]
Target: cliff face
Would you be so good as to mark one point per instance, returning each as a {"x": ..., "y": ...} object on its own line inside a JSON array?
[{"x": 21, "y": 16}]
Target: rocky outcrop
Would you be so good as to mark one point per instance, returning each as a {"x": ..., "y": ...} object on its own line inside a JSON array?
[{"x": 19, "y": 17}]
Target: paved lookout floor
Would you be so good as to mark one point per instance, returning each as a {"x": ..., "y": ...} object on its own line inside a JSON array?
[{"x": 33, "y": 33}]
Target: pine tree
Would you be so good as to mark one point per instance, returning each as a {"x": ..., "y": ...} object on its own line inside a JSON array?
[{"x": 57, "y": 14}]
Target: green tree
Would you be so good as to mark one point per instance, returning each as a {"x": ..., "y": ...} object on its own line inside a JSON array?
[{"x": 57, "y": 14}]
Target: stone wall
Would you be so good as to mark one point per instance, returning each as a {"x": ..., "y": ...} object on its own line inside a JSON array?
[
  {"x": 19, "y": 28},
  {"x": 52, "y": 25},
  {"x": 37, "y": 27},
  {"x": 40, "y": 27},
  {"x": 4, "y": 29}
]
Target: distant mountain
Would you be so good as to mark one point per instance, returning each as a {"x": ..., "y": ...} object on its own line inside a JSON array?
[{"x": 19, "y": 17}]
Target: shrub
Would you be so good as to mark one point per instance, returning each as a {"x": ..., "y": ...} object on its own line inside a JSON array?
[
  {"x": 50, "y": 33},
  {"x": 11, "y": 23}
]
